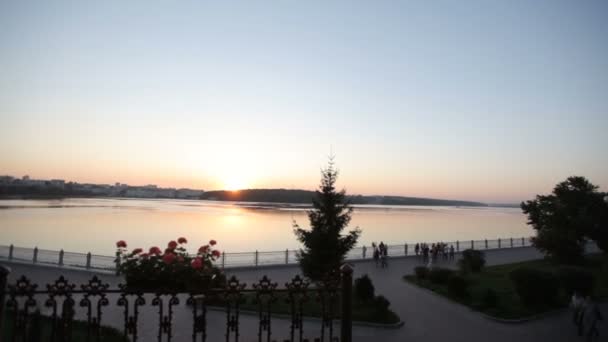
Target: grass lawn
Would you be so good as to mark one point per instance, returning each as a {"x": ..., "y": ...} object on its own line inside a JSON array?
[
  {"x": 508, "y": 304},
  {"x": 40, "y": 330}
]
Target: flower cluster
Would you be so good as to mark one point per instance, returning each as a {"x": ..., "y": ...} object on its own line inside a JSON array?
[{"x": 173, "y": 267}]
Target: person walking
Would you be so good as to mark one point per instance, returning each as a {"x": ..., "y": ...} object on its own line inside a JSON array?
[
  {"x": 576, "y": 303},
  {"x": 384, "y": 256},
  {"x": 376, "y": 253},
  {"x": 451, "y": 252},
  {"x": 591, "y": 317},
  {"x": 417, "y": 249}
]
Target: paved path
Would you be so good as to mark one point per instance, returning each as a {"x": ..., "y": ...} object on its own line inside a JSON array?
[{"x": 427, "y": 317}]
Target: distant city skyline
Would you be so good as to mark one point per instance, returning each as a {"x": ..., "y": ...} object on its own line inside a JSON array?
[{"x": 491, "y": 101}]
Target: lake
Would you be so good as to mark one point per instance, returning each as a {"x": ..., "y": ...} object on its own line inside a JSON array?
[{"x": 83, "y": 225}]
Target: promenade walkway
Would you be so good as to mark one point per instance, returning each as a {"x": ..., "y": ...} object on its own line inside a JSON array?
[{"x": 427, "y": 316}]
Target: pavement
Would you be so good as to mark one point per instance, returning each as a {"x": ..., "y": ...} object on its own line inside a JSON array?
[{"x": 427, "y": 316}]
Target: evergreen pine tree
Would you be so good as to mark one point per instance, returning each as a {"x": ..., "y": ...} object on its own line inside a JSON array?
[{"x": 324, "y": 247}]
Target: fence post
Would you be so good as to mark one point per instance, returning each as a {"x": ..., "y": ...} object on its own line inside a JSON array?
[
  {"x": 499, "y": 244},
  {"x": 364, "y": 249},
  {"x": 35, "y": 258},
  {"x": 60, "y": 263},
  {"x": 4, "y": 271},
  {"x": 457, "y": 246},
  {"x": 486, "y": 243},
  {"x": 256, "y": 258},
  {"x": 117, "y": 263},
  {"x": 522, "y": 241},
  {"x": 472, "y": 244},
  {"x": 405, "y": 249},
  {"x": 10, "y": 252},
  {"x": 223, "y": 260},
  {"x": 347, "y": 290},
  {"x": 511, "y": 242},
  {"x": 88, "y": 260},
  {"x": 286, "y": 256}
]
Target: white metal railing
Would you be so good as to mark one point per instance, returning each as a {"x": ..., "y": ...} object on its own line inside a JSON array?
[{"x": 230, "y": 260}]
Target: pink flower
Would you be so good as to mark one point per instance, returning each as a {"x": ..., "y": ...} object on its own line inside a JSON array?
[
  {"x": 172, "y": 245},
  {"x": 216, "y": 253},
  {"x": 212, "y": 242},
  {"x": 137, "y": 251},
  {"x": 197, "y": 263},
  {"x": 121, "y": 244},
  {"x": 182, "y": 240},
  {"x": 168, "y": 258},
  {"x": 203, "y": 249},
  {"x": 155, "y": 250}
]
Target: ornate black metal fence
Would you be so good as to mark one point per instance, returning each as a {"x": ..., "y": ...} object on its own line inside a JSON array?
[{"x": 87, "y": 304}]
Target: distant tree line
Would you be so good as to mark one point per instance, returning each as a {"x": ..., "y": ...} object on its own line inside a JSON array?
[{"x": 304, "y": 196}]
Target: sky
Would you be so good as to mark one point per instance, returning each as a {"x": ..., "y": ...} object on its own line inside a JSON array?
[{"x": 492, "y": 101}]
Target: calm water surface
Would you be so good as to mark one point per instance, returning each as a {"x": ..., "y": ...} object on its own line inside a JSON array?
[{"x": 83, "y": 225}]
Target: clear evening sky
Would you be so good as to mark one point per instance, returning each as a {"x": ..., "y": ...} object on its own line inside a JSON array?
[{"x": 480, "y": 100}]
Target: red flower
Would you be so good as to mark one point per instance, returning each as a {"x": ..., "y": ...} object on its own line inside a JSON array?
[
  {"x": 216, "y": 253},
  {"x": 197, "y": 263},
  {"x": 155, "y": 250},
  {"x": 203, "y": 249},
  {"x": 121, "y": 244},
  {"x": 168, "y": 258},
  {"x": 180, "y": 258},
  {"x": 144, "y": 255},
  {"x": 182, "y": 240},
  {"x": 212, "y": 242},
  {"x": 172, "y": 245},
  {"x": 137, "y": 251}
]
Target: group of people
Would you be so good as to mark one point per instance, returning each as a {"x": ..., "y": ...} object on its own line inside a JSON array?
[
  {"x": 586, "y": 316},
  {"x": 434, "y": 252},
  {"x": 380, "y": 254}
]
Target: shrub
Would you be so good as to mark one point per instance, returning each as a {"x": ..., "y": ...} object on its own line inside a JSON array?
[
  {"x": 575, "y": 279},
  {"x": 472, "y": 261},
  {"x": 457, "y": 286},
  {"x": 440, "y": 275},
  {"x": 535, "y": 288},
  {"x": 364, "y": 289},
  {"x": 381, "y": 304},
  {"x": 421, "y": 272},
  {"x": 489, "y": 298}
]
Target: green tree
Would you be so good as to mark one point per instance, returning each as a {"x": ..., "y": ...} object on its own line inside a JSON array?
[
  {"x": 563, "y": 220},
  {"x": 325, "y": 247}
]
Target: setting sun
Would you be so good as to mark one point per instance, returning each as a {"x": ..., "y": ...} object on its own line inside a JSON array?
[{"x": 233, "y": 184}]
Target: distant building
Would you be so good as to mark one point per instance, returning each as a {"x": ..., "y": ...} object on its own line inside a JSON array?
[
  {"x": 6, "y": 179},
  {"x": 58, "y": 183}
]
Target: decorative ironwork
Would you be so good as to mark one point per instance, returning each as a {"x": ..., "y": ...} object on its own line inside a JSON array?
[
  {"x": 264, "y": 298},
  {"x": 297, "y": 295},
  {"x": 25, "y": 290},
  {"x": 130, "y": 320},
  {"x": 199, "y": 320},
  {"x": 233, "y": 298},
  {"x": 93, "y": 297},
  {"x": 95, "y": 288},
  {"x": 61, "y": 322},
  {"x": 165, "y": 320},
  {"x": 327, "y": 296}
]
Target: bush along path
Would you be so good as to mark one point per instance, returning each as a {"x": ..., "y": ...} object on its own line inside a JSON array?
[{"x": 518, "y": 290}]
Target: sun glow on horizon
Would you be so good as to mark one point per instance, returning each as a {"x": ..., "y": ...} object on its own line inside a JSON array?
[{"x": 234, "y": 184}]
